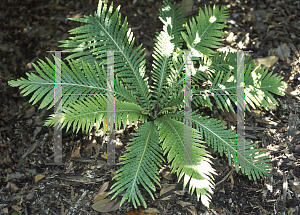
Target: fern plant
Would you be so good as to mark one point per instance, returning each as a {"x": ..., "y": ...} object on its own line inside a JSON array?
[{"x": 160, "y": 106}]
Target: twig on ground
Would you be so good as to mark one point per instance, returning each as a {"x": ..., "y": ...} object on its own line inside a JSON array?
[{"x": 224, "y": 177}]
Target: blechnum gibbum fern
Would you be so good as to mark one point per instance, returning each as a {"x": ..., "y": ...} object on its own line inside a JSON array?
[{"x": 160, "y": 106}]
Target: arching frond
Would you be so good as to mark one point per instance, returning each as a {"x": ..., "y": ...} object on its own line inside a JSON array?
[
  {"x": 221, "y": 72},
  {"x": 76, "y": 84},
  {"x": 194, "y": 165},
  {"x": 104, "y": 32},
  {"x": 141, "y": 166},
  {"x": 253, "y": 163},
  {"x": 93, "y": 110}
]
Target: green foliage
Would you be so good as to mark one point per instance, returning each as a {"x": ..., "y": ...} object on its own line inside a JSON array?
[{"x": 159, "y": 106}]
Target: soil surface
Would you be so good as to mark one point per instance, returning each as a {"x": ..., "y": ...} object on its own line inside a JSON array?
[{"x": 28, "y": 185}]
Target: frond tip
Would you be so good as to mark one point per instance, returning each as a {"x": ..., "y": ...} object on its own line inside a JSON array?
[{"x": 204, "y": 33}]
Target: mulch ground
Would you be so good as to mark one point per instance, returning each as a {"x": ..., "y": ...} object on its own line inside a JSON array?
[{"x": 29, "y": 186}]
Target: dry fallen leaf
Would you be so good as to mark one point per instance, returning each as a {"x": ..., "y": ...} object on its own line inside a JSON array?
[
  {"x": 101, "y": 194},
  {"x": 16, "y": 207},
  {"x": 186, "y": 6},
  {"x": 38, "y": 177},
  {"x": 76, "y": 153},
  {"x": 180, "y": 192},
  {"x": 151, "y": 211},
  {"x": 167, "y": 175},
  {"x": 135, "y": 212},
  {"x": 30, "y": 196},
  {"x": 192, "y": 210},
  {"x": 222, "y": 190},
  {"x": 184, "y": 204},
  {"x": 106, "y": 205},
  {"x": 250, "y": 16},
  {"x": 69, "y": 168},
  {"x": 72, "y": 194},
  {"x": 232, "y": 116},
  {"x": 140, "y": 211},
  {"x": 291, "y": 91},
  {"x": 104, "y": 155},
  {"x": 267, "y": 61},
  {"x": 283, "y": 52},
  {"x": 103, "y": 187},
  {"x": 231, "y": 181},
  {"x": 30, "y": 112},
  {"x": 13, "y": 187},
  {"x": 167, "y": 189}
]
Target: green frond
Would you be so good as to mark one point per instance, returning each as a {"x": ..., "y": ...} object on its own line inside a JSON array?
[
  {"x": 252, "y": 162},
  {"x": 105, "y": 32},
  {"x": 94, "y": 110},
  {"x": 221, "y": 72},
  {"x": 177, "y": 69},
  {"x": 177, "y": 100},
  {"x": 216, "y": 71},
  {"x": 173, "y": 21},
  {"x": 193, "y": 165},
  {"x": 168, "y": 41},
  {"x": 76, "y": 83},
  {"x": 141, "y": 166},
  {"x": 220, "y": 61},
  {"x": 204, "y": 33},
  {"x": 43, "y": 86},
  {"x": 221, "y": 90},
  {"x": 259, "y": 84},
  {"x": 175, "y": 82}
]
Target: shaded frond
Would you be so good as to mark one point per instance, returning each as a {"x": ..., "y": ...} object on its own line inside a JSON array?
[
  {"x": 221, "y": 74},
  {"x": 141, "y": 166},
  {"x": 175, "y": 81},
  {"x": 93, "y": 110}
]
